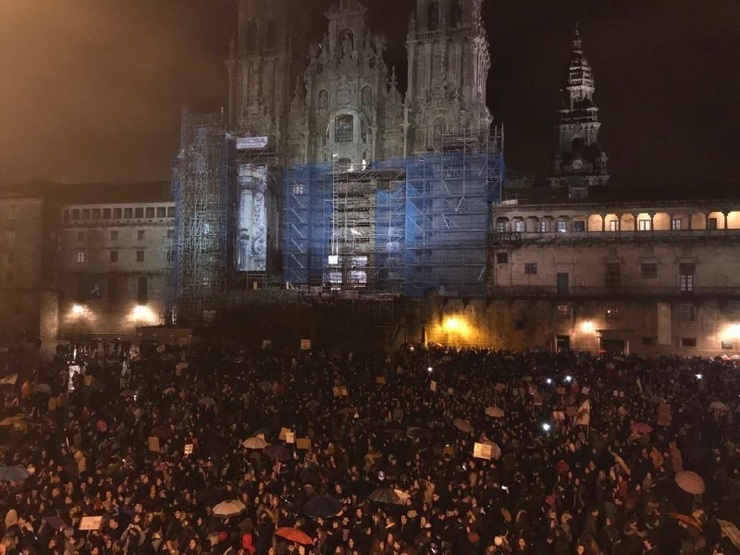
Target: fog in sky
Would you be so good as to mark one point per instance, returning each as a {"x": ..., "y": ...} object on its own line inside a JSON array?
[{"x": 91, "y": 90}]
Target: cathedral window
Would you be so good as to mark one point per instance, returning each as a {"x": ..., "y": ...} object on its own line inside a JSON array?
[
  {"x": 433, "y": 16},
  {"x": 456, "y": 11},
  {"x": 440, "y": 128},
  {"x": 271, "y": 35},
  {"x": 252, "y": 36},
  {"x": 344, "y": 129}
]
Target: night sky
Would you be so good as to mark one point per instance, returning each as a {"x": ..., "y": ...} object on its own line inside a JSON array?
[{"x": 91, "y": 90}]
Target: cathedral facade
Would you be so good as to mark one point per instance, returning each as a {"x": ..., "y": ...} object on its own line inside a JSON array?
[{"x": 337, "y": 99}]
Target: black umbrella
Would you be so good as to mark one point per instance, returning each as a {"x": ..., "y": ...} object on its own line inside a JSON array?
[
  {"x": 385, "y": 495},
  {"x": 322, "y": 506},
  {"x": 361, "y": 488},
  {"x": 313, "y": 473},
  {"x": 277, "y": 452}
]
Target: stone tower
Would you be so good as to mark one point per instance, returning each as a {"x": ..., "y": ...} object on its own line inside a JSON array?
[
  {"x": 263, "y": 67},
  {"x": 579, "y": 162},
  {"x": 448, "y": 63}
]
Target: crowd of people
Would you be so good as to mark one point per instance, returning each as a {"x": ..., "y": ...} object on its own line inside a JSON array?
[{"x": 425, "y": 451}]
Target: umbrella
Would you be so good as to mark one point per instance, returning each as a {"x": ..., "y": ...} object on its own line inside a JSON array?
[
  {"x": 168, "y": 391},
  {"x": 207, "y": 401},
  {"x": 277, "y": 452},
  {"x": 322, "y": 506},
  {"x": 719, "y": 406},
  {"x": 688, "y": 520},
  {"x": 227, "y": 509},
  {"x": 11, "y": 420},
  {"x": 730, "y": 530},
  {"x": 418, "y": 433},
  {"x": 347, "y": 410},
  {"x": 9, "y": 380},
  {"x": 463, "y": 425},
  {"x": 182, "y": 366},
  {"x": 385, "y": 495},
  {"x": 13, "y": 474},
  {"x": 43, "y": 388},
  {"x": 361, "y": 488},
  {"x": 313, "y": 473},
  {"x": 494, "y": 412},
  {"x": 690, "y": 482},
  {"x": 254, "y": 443},
  {"x": 641, "y": 428},
  {"x": 294, "y": 535},
  {"x": 312, "y": 404}
]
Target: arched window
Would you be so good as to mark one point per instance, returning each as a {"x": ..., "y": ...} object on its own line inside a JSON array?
[
  {"x": 456, "y": 11},
  {"x": 433, "y": 16},
  {"x": 440, "y": 128},
  {"x": 252, "y": 36},
  {"x": 343, "y": 164},
  {"x": 344, "y": 129}
]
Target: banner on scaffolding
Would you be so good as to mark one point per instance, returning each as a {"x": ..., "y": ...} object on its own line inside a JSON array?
[
  {"x": 251, "y": 218},
  {"x": 250, "y": 143}
]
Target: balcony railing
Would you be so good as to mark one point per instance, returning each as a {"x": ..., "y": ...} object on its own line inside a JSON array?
[
  {"x": 508, "y": 237},
  {"x": 593, "y": 292}
]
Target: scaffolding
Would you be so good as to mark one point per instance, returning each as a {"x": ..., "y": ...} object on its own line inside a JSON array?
[
  {"x": 408, "y": 226},
  {"x": 200, "y": 189}
]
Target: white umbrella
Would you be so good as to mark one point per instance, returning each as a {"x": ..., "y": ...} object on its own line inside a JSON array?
[
  {"x": 494, "y": 412},
  {"x": 254, "y": 443},
  {"x": 228, "y": 509}
]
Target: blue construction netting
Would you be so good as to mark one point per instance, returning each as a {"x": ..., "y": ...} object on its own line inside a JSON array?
[{"x": 430, "y": 222}]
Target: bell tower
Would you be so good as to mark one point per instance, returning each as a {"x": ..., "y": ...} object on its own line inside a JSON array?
[
  {"x": 262, "y": 68},
  {"x": 448, "y": 64},
  {"x": 579, "y": 162}
]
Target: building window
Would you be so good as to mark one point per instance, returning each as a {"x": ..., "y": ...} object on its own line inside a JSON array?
[
  {"x": 686, "y": 277},
  {"x": 456, "y": 13},
  {"x": 344, "y": 129},
  {"x": 647, "y": 341},
  {"x": 612, "y": 275},
  {"x": 501, "y": 226},
  {"x": 440, "y": 128},
  {"x": 298, "y": 189},
  {"x": 142, "y": 290},
  {"x": 688, "y": 312},
  {"x": 676, "y": 224},
  {"x": 80, "y": 256},
  {"x": 649, "y": 270},
  {"x": 579, "y": 226},
  {"x": 613, "y": 313},
  {"x": 519, "y": 226},
  {"x": 613, "y": 225},
  {"x": 114, "y": 256},
  {"x": 727, "y": 345},
  {"x": 117, "y": 213},
  {"x": 563, "y": 311},
  {"x": 150, "y": 212},
  {"x": 96, "y": 214},
  {"x": 502, "y": 257},
  {"x": 161, "y": 212},
  {"x": 80, "y": 235},
  {"x": 644, "y": 225},
  {"x": 170, "y": 211},
  {"x": 139, "y": 213},
  {"x": 140, "y": 235},
  {"x": 128, "y": 213},
  {"x": 712, "y": 223},
  {"x": 561, "y": 226},
  {"x": 75, "y": 214},
  {"x": 106, "y": 213},
  {"x": 112, "y": 289},
  {"x": 85, "y": 213},
  {"x": 139, "y": 256},
  {"x": 114, "y": 235},
  {"x": 688, "y": 342},
  {"x": 542, "y": 226},
  {"x": 433, "y": 16},
  {"x": 530, "y": 268}
]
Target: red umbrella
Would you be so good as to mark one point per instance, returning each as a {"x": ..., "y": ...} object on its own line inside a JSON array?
[
  {"x": 562, "y": 467},
  {"x": 294, "y": 535},
  {"x": 686, "y": 519},
  {"x": 690, "y": 482},
  {"x": 642, "y": 428}
]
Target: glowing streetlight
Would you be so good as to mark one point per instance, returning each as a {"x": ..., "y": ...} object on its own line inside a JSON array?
[{"x": 588, "y": 327}]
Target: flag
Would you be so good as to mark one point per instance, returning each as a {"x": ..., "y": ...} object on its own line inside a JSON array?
[{"x": 583, "y": 416}]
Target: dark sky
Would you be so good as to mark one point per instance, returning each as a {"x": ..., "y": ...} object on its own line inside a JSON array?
[{"x": 91, "y": 89}]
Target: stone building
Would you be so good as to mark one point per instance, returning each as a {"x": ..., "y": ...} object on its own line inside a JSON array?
[{"x": 114, "y": 260}]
